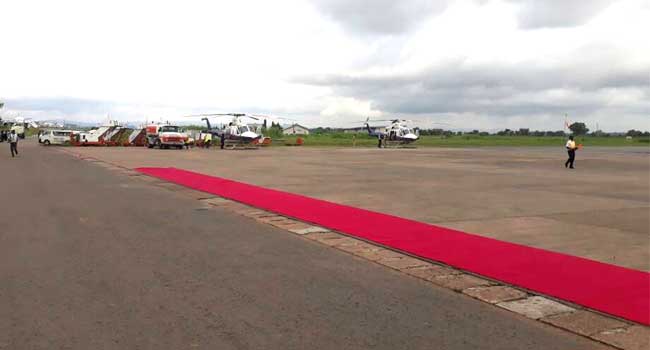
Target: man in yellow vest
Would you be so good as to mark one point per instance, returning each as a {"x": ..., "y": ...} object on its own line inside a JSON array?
[
  {"x": 571, "y": 149},
  {"x": 207, "y": 140}
]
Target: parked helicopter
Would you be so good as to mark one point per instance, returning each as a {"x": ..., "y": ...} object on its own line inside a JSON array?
[
  {"x": 396, "y": 133},
  {"x": 236, "y": 133}
]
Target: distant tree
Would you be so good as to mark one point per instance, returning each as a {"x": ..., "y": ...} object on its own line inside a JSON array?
[
  {"x": 431, "y": 132},
  {"x": 634, "y": 133},
  {"x": 555, "y": 133},
  {"x": 579, "y": 128},
  {"x": 321, "y": 130},
  {"x": 436, "y": 132},
  {"x": 275, "y": 129},
  {"x": 524, "y": 132}
]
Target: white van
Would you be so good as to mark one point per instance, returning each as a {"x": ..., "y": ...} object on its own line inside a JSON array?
[{"x": 55, "y": 137}]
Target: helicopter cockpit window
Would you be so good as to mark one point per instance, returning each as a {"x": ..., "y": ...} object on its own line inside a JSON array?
[{"x": 243, "y": 129}]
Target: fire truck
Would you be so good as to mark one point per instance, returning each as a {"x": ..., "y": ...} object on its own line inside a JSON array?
[{"x": 165, "y": 136}]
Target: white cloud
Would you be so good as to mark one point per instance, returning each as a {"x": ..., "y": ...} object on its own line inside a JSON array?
[
  {"x": 380, "y": 17},
  {"x": 558, "y": 13},
  {"x": 497, "y": 62}
]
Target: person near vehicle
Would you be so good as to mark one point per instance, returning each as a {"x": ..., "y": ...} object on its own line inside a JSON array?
[
  {"x": 571, "y": 149},
  {"x": 13, "y": 143},
  {"x": 223, "y": 136},
  {"x": 207, "y": 140}
]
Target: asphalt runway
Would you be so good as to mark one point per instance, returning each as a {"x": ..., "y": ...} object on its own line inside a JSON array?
[
  {"x": 599, "y": 211},
  {"x": 94, "y": 260}
]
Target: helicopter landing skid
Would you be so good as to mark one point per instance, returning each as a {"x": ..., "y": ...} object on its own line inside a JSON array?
[
  {"x": 397, "y": 144},
  {"x": 239, "y": 145}
]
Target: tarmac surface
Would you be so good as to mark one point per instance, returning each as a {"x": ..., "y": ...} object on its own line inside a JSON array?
[
  {"x": 94, "y": 260},
  {"x": 600, "y": 210}
]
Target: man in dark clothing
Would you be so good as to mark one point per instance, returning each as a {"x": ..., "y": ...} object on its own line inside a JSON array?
[
  {"x": 13, "y": 143},
  {"x": 571, "y": 149}
]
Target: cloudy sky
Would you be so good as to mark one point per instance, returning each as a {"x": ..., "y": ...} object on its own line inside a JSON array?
[{"x": 485, "y": 64}]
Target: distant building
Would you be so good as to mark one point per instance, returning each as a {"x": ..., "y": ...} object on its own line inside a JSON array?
[{"x": 295, "y": 129}]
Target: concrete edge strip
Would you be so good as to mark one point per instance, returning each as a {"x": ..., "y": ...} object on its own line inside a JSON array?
[{"x": 596, "y": 326}]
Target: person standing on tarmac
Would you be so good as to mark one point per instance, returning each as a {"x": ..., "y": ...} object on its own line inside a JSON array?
[
  {"x": 223, "y": 135},
  {"x": 13, "y": 143},
  {"x": 571, "y": 149},
  {"x": 207, "y": 140}
]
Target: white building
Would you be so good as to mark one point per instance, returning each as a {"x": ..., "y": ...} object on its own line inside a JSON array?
[{"x": 295, "y": 129}]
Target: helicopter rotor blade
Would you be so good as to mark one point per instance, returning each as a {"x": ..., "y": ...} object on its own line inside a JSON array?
[
  {"x": 201, "y": 115},
  {"x": 273, "y": 117}
]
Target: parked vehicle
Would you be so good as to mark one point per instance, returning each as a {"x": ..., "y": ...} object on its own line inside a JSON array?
[
  {"x": 55, "y": 137},
  {"x": 165, "y": 136},
  {"x": 19, "y": 128},
  {"x": 94, "y": 137}
]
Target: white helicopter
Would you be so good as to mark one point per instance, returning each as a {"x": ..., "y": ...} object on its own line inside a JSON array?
[
  {"x": 235, "y": 133},
  {"x": 396, "y": 133}
]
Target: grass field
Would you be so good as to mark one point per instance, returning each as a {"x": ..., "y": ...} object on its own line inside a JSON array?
[{"x": 363, "y": 140}]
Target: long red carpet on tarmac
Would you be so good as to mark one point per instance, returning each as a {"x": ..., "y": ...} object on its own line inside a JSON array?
[{"x": 607, "y": 288}]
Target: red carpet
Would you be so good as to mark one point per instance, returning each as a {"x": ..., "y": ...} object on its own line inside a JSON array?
[{"x": 611, "y": 289}]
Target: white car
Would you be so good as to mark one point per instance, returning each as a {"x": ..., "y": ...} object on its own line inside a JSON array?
[{"x": 55, "y": 137}]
